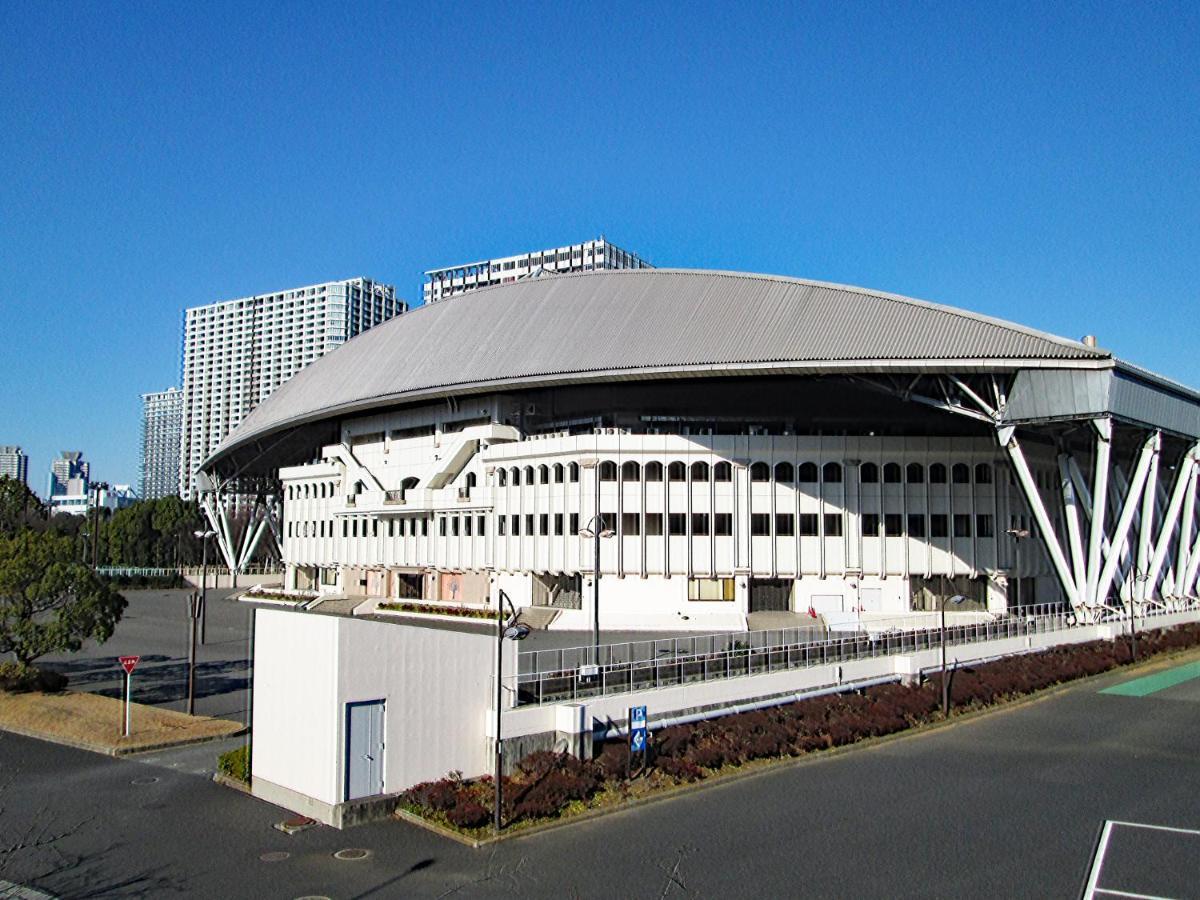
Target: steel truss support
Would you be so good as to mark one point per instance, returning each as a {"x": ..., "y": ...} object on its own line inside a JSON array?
[
  {"x": 1071, "y": 515},
  {"x": 1185, "y": 553},
  {"x": 1066, "y": 578},
  {"x": 1146, "y": 460},
  {"x": 1185, "y": 482},
  {"x": 1097, "y": 542}
]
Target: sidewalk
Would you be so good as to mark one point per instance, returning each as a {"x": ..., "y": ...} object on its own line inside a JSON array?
[{"x": 93, "y": 722}]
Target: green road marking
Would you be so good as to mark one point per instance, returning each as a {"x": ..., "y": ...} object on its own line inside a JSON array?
[{"x": 1150, "y": 684}]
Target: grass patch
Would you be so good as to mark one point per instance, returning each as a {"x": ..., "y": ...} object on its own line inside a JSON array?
[{"x": 235, "y": 764}]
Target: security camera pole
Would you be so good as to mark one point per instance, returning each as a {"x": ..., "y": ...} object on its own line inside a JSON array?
[
  {"x": 514, "y": 632},
  {"x": 956, "y": 600}
]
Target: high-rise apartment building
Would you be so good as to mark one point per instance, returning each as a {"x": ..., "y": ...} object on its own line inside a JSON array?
[
  {"x": 441, "y": 284},
  {"x": 236, "y": 352},
  {"x": 162, "y": 413},
  {"x": 14, "y": 463},
  {"x": 69, "y": 474}
]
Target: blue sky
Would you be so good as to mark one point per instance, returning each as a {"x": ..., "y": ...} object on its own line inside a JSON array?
[{"x": 1038, "y": 162}]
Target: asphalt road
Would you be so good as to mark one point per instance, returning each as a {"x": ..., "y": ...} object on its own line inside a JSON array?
[{"x": 1006, "y": 805}]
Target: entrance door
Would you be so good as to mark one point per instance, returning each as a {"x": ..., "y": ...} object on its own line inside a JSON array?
[
  {"x": 364, "y": 749},
  {"x": 771, "y": 594},
  {"x": 870, "y": 599}
]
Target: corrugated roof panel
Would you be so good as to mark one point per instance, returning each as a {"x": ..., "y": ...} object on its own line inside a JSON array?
[{"x": 630, "y": 320}]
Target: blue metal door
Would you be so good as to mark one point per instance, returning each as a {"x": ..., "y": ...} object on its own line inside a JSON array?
[{"x": 364, "y": 749}]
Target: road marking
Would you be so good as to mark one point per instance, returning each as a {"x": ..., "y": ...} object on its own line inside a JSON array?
[
  {"x": 1159, "y": 681},
  {"x": 1092, "y": 889},
  {"x": 1114, "y": 893},
  {"x": 1156, "y": 827},
  {"x": 1098, "y": 860}
]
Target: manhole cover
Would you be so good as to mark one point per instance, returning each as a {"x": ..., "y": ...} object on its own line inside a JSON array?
[
  {"x": 149, "y": 779},
  {"x": 352, "y": 853},
  {"x": 274, "y": 856}
]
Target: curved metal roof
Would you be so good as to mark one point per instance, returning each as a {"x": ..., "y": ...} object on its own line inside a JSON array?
[{"x": 644, "y": 323}]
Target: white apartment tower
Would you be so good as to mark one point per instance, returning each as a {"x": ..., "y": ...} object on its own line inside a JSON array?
[
  {"x": 237, "y": 352},
  {"x": 14, "y": 464},
  {"x": 162, "y": 413},
  {"x": 441, "y": 284}
]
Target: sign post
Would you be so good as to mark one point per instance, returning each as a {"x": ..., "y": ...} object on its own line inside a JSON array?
[
  {"x": 128, "y": 663},
  {"x": 637, "y": 735}
]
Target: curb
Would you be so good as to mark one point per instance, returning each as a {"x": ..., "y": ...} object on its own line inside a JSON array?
[
  {"x": 230, "y": 782},
  {"x": 758, "y": 768},
  {"x": 107, "y": 750}
]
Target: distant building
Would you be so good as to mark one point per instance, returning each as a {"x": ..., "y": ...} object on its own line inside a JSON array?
[
  {"x": 117, "y": 496},
  {"x": 69, "y": 475},
  {"x": 162, "y": 413},
  {"x": 441, "y": 284},
  {"x": 236, "y": 352},
  {"x": 14, "y": 463}
]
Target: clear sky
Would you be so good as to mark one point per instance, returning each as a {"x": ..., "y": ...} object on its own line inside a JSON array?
[{"x": 1038, "y": 162}]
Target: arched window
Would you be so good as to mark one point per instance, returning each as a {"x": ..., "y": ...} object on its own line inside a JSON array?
[
  {"x": 631, "y": 471},
  {"x": 868, "y": 473},
  {"x": 676, "y": 471},
  {"x": 937, "y": 474},
  {"x": 558, "y": 473},
  {"x": 306, "y": 492},
  {"x": 960, "y": 474},
  {"x": 914, "y": 473},
  {"x": 407, "y": 485},
  {"x": 891, "y": 473},
  {"x": 699, "y": 471},
  {"x": 983, "y": 473},
  {"x": 573, "y": 472},
  {"x": 831, "y": 473},
  {"x": 471, "y": 479},
  {"x": 608, "y": 470},
  {"x": 784, "y": 473},
  {"x": 543, "y": 475},
  {"x": 760, "y": 471},
  {"x": 514, "y": 476},
  {"x": 654, "y": 471},
  {"x": 722, "y": 471},
  {"x": 529, "y": 475},
  {"x": 807, "y": 473},
  {"x": 502, "y": 477}
]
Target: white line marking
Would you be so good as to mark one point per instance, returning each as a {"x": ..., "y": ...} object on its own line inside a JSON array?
[
  {"x": 1156, "y": 827},
  {"x": 1098, "y": 861},
  {"x": 1116, "y": 893}
]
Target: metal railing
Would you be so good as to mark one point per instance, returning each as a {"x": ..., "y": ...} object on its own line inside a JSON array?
[{"x": 558, "y": 676}]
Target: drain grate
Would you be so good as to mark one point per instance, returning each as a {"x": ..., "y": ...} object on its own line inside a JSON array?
[
  {"x": 274, "y": 856},
  {"x": 352, "y": 853}
]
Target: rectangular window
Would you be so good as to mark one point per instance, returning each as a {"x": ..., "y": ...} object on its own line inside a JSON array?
[
  {"x": 833, "y": 524},
  {"x": 710, "y": 589},
  {"x": 677, "y": 524},
  {"x": 808, "y": 524},
  {"x": 723, "y": 524},
  {"x": 893, "y": 525},
  {"x": 962, "y": 525},
  {"x": 870, "y": 524},
  {"x": 916, "y": 525},
  {"x": 544, "y": 524},
  {"x": 425, "y": 527},
  {"x": 760, "y": 524},
  {"x": 699, "y": 524},
  {"x": 529, "y": 523},
  {"x": 983, "y": 525},
  {"x": 391, "y": 527},
  {"x": 442, "y": 527},
  {"x": 574, "y": 523},
  {"x": 785, "y": 524},
  {"x": 502, "y": 525},
  {"x": 938, "y": 525},
  {"x": 631, "y": 524},
  {"x": 654, "y": 524},
  {"x": 454, "y": 526},
  {"x": 468, "y": 521},
  {"x": 481, "y": 526},
  {"x": 558, "y": 524},
  {"x": 515, "y": 522}
]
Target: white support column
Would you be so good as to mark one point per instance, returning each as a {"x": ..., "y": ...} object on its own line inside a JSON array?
[
  {"x": 216, "y": 520},
  {"x": 1183, "y": 479},
  {"x": 1099, "y": 494},
  {"x": 258, "y": 533},
  {"x": 1183, "y": 557},
  {"x": 1087, "y": 504},
  {"x": 1071, "y": 515},
  {"x": 1132, "y": 497},
  {"x": 1184, "y": 588},
  {"x": 1146, "y": 526},
  {"x": 1008, "y": 440}
]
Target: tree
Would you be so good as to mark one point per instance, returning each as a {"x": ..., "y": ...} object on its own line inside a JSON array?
[
  {"x": 49, "y": 602},
  {"x": 19, "y": 506}
]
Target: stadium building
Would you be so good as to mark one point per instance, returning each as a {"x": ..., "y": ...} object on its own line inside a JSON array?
[{"x": 726, "y": 445}]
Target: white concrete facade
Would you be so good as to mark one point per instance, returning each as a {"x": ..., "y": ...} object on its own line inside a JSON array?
[
  {"x": 590, "y": 256},
  {"x": 162, "y": 415},
  {"x": 237, "y": 352}
]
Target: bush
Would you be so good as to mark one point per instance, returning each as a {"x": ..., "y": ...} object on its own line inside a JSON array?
[
  {"x": 235, "y": 764},
  {"x": 468, "y": 813},
  {"x": 18, "y": 678}
]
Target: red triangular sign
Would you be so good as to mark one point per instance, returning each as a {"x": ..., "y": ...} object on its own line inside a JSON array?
[{"x": 128, "y": 663}]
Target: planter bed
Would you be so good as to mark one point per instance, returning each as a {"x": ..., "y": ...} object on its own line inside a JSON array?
[
  {"x": 432, "y": 609},
  {"x": 549, "y": 786}
]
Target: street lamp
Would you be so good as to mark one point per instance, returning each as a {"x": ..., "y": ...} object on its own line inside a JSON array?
[
  {"x": 96, "y": 487},
  {"x": 204, "y": 535},
  {"x": 956, "y": 600},
  {"x": 595, "y": 530},
  {"x": 511, "y": 630}
]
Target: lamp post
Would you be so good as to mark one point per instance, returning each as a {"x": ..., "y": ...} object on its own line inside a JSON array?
[
  {"x": 204, "y": 535},
  {"x": 595, "y": 530},
  {"x": 513, "y": 631},
  {"x": 956, "y": 600},
  {"x": 96, "y": 487}
]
